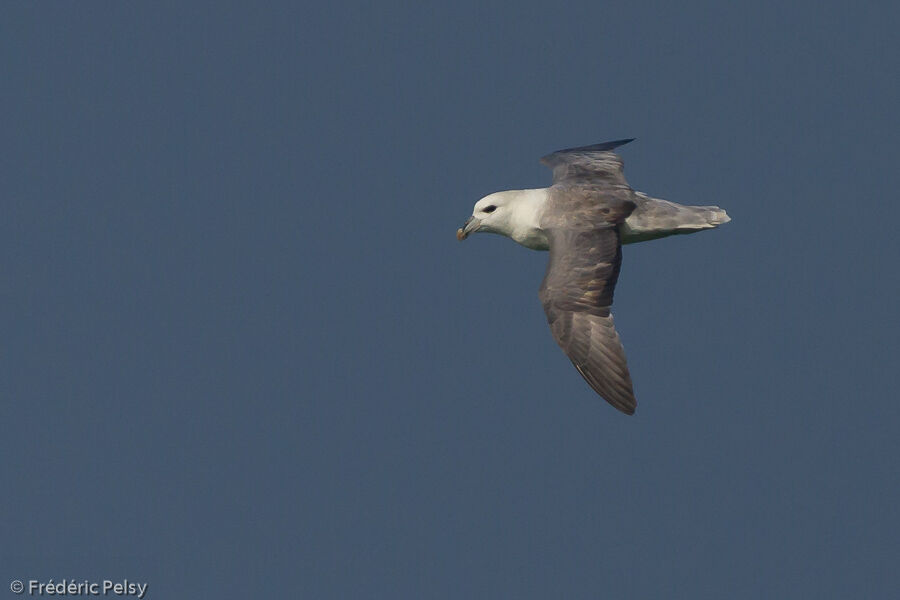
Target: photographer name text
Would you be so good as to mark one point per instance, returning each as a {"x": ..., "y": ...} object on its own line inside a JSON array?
[{"x": 84, "y": 587}]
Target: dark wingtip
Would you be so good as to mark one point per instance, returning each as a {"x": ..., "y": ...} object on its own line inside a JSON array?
[
  {"x": 601, "y": 147},
  {"x": 617, "y": 143}
]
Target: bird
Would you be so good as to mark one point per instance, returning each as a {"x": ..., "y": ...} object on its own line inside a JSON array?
[{"x": 583, "y": 219}]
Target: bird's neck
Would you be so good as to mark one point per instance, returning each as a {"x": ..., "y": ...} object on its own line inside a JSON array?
[{"x": 525, "y": 218}]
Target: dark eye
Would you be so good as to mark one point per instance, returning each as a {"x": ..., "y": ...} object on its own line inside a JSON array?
[{"x": 490, "y": 209}]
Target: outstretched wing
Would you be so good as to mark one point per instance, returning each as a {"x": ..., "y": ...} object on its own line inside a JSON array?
[
  {"x": 577, "y": 293},
  {"x": 588, "y": 164}
]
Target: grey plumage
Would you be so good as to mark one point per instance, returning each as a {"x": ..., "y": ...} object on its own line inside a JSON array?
[
  {"x": 585, "y": 164},
  {"x": 654, "y": 218},
  {"x": 577, "y": 293},
  {"x": 583, "y": 219},
  {"x": 588, "y": 202}
]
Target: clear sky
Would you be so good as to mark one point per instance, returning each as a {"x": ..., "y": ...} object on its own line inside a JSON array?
[{"x": 244, "y": 356}]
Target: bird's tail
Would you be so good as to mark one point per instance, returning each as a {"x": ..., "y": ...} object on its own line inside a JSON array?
[
  {"x": 711, "y": 216},
  {"x": 654, "y": 218}
]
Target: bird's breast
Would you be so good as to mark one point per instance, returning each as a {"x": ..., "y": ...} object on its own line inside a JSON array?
[{"x": 533, "y": 238}]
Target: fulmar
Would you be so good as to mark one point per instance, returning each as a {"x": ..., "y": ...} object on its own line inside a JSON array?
[{"x": 583, "y": 219}]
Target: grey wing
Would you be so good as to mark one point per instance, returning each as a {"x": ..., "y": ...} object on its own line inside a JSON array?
[
  {"x": 577, "y": 293},
  {"x": 588, "y": 164}
]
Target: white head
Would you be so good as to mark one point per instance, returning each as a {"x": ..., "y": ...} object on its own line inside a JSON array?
[
  {"x": 515, "y": 214},
  {"x": 491, "y": 214}
]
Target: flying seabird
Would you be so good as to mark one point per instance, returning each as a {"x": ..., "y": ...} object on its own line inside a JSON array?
[{"x": 583, "y": 219}]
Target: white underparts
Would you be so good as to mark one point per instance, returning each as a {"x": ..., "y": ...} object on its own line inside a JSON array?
[
  {"x": 653, "y": 218},
  {"x": 524, "y": 222}
]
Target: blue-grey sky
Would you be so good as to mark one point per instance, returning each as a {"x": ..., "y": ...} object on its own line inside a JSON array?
[{"x": 244, "y": 356}]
